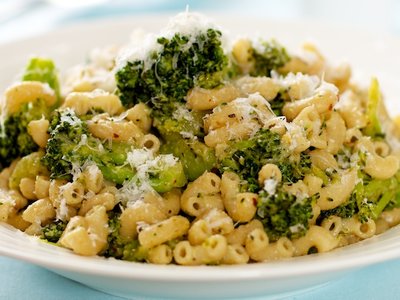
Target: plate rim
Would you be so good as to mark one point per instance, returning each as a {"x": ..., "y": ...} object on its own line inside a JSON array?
[{"x": 287, "y": 268}]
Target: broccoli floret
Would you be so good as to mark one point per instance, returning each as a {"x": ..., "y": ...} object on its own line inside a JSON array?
[
  {"x": 66, "y": 131},
  {"x": 15, "y": 141},
  {"x": 283, "y": 215},
  {"x": 369, "y": 199},
  {"x": 53, "y": 231},
  {"x": 180, "y": 63},
  {"x": 247, "y": 157},
  {"x": 43, "y": 70},
  {"x": 268, "y": 56},
  {"x": 120, "y": 248},
  {"x": 163, "y": 81},
  {"x": 71, "y": 144}
]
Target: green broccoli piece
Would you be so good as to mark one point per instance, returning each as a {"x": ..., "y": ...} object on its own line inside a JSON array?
[
  {"x": 283, "y": 215},
  {"x": 29, "y": 166},
  {"x": 53, "y": 231},
  {"x": 182, "y": 136},
  {"x": 66, "y": 131},
  {"x": 267, "y": 57},
  {"x": 247, "y": 157},
  {"x": 71, "y": 144},
  {"x": 195, "y": 156},
  {"x": 15, "y": 141},
  {"x": 369, "y": 199},
  {"x": 120, "y": 248},
  {"x": 277, "y": 105},
  {"x": 166, "y": 179},
  {"x": 378, "y": 195},
  {"x": 182, "y": 121},
  {"x": 43, "y": 70},
  {"x": 180, "y": 63},
  {"x": 373, "y": 128}
]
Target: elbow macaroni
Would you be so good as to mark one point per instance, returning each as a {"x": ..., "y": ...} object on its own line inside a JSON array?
[{"x": 202, "y": 194}]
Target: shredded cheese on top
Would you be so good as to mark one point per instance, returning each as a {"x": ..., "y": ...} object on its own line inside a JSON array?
[
  {"x": 143, "y": 45},
  {"x": 270, "y": 186},
  {"x": 145, "y": 163}
]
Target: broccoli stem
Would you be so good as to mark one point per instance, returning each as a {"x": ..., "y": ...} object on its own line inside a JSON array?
[
  {"x": 373, "y": 127},
  {"x": 169, "y": 178},
  {"x": 375, "y": 188},
  {"x": 195, "y": 156},
  {"x": 163, "y": 181},
  {"x": 369, "y": 199},
  {"x": 382, "y": 203},
  {"x": 117, "y": 174}
]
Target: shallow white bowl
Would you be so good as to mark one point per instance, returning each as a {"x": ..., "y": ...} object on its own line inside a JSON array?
[
  {"x": 371, "y": 54},
  {"x": 129, "y": 280}
]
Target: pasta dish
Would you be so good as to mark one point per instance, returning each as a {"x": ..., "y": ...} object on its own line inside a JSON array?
[{"x": 186, "y": 147}]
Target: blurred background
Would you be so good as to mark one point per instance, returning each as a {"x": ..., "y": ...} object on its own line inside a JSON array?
[{"x": 24, "y": 18}]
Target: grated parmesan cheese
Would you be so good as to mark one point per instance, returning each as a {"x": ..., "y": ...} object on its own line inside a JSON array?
[
  {"x": 254, "y": 106},
  {"x": 300, "y": 196},
  {"x": 62, "y": 209},
  {"x": 70, "y": 118},
  {"x": 145, "y": 163},
  {"x": 188, "y": 135},
  {"x": 270, "y": 186},
  {"x": 132, "y": 191},
  {"x": 299, "y": 85},
  {"x": 143, "y": 45},
  {"x": 294, "y": 134},
  {"x": 187, "y": 23},
  {"x": 139, "y": 51},
  {"x": 181, "y": 112},
  {"x": 296, "y": 228}
]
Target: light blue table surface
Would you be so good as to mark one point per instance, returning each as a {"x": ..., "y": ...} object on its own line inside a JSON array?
[{"x": 20, "y": 280}]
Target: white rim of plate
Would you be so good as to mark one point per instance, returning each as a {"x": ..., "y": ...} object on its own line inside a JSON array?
[{"x": 364, "y": 253}]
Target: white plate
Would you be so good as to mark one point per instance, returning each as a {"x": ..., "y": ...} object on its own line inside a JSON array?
[{"x": 369, "y": 53}]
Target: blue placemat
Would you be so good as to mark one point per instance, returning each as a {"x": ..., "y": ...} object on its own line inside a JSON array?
[{"x": 20, "y": 281}]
